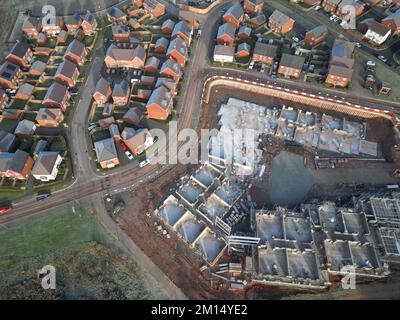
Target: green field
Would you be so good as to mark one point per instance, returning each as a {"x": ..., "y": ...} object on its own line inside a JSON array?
[{"x": 89, "y": 264}]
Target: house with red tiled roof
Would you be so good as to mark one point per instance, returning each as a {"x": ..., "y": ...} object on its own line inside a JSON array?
[
  {"x": 102, "y": 91},
  {"x": 226, "y": 34},
  {"x": 76, "y": 52},
  {"x": 234, "y": 15},
  {"x": 56, "y": 96},
  {"x": 280, "y": 22},
  {"x": 171, "y": 69},
  {"x": 20, "y": 54},
  {"x": 67, "y": 73},
  {"x": 178, "y": 51},
  {"x": 89, "y": 23},
  {"x": 31, "y": 27},
  {"x": 160, "y": 104}
]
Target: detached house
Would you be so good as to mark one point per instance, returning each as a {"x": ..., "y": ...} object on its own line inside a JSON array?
[
  {"x": 152, "y": 65},
  {"x": 178, "y": 50},
  {"x": 56, "y": 97},
  {"x": 330, "y": 5},
  {"x": 375, "y": 32},
  {"x": 20, "y": 54},
  {"x": 253, "y": 6},
  {"x": 161, "y": 45},
  {"x": 9, "y": 75},
  {"x": 121, "y": 93},
  {"x": 167, "y": 26},
  {"x": 25, "y": 91},
  {"x": 243, "y": 50},
  {"x": 160, "y": 104},
  {"x": 244, "y": 33},
  {"x": 46, "y": 166},
  {"x": 343, "y": 8},
  {"x": 76, "y": 52},
  {"x": 171, "y": 69},
  {"x": 16, "y": 165},
  {"x": 73, "y": 22},
  {"x": 234, "y": 15},
  {"x": 102, "y": 92},
  {"x": 137, "y": 141},
  {"x": 52, "y": 27},
  {"x": 154, "y": 8},
  {"x": 264, "y": 53},
  {"x": 133, "y": 116},
  {"x": 37, "y": 68},
  {"x": 121, "y": 32},
  {"x": 291, "y": 66},
  {"x": 31, "y": 27},
  {"x": 106, "y": 153},
  {"x": 223, "y": 53},
  {"x": 3, "y": 99},
  {"x": 116, "y": 16},
  {"x": 280, "y": 23},
  {"x": 226, "y": 34},
  {"x": 125, "y": 58},
  {"x": 184, "y": 31},
  {"x": 341, "y": 64},
  {"x": 316, "y": 35},
  {"x": 67, "y": 73},
  {"x": 49, "y": 117},
  {"x": 89, "y": 23},
  {"x": 393, "y": 22}
]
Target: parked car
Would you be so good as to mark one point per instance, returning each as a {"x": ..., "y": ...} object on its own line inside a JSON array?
[
  {"x": 129, "y": 155},
  {"x": 295, "y": 39},
  {"x": 371, "y": 63},
  {"x": 144, "y": 163},
  {"x": 11, "y": 91},
  {"x": 357, "y": 44},
  {"x": 383, "y": 59},
  {"x": 74, "y": 91}
]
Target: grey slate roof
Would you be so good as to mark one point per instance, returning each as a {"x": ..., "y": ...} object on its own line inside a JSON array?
[{"x": 105, "y": 150}]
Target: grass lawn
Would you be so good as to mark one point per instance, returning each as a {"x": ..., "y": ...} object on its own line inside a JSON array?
[{"x": 11, "y": 194}]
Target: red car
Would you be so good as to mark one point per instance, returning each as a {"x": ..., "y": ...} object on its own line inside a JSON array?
[
  {"x": 4, "y": 210},
  {"x": 123, "y": 147}
]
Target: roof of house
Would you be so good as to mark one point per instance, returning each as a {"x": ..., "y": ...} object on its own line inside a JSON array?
[
  {"x": 235, "y": 10},
  {"x": 318, "y": 31},
  {"x": 243, "y": 47},
  {"x": 224, "y": 50},
  {"x": 105, "y": 150},
  {"x": 152, "y": 62},
  {"x": 116, "y": 13},
  {"x": 168, "y": 24},
  {"x": 102, "y": 86},
  {"x": 56, "y": 92},
  {"x": 120, "y": 89},
  {"x": 38, "y": 66},
  {"x": 25, "y": 127},
  {"x": 134, "y": 115},
  {"x": 279, "y": 18},
  {"x": 258, "y": 19},
  {"x": 75, "y": 47},
  {"x": 162, "y": 42},
  {"x": 13, "y": 161},
  {"x": 183, "y": 28},
  {"x": 26, "y": 88},
  {"x": 45, "y": 163},
  {"x": 228, "y": 29},
  {"x": 265, "y": 49},
  {"x": 171, "y": 64},
  {"x": 74, "y": 19},
  {"x": 126, "y": 54},
  {"x": 343, "y": 48},
  {"x": 152, "y": 3},
  {"x": 256, "y": 2},
  {"x": 19, "y": 49},
  {"x": 245, "y": 30},
  {"x": 114, "y": 130},
  {"x": 339, "y": 71},
  {"x": 292, "y": 61},
  {"x": 49, "y": 114},
  {"x": 167, "y": 82},
  {"x": 62, "y": 34},
  {"x": 135, "y": 137},
  {"x": 30, "y": 22},
  {"x": 179, "y": 45},
  {"x": 160, "y": 96},
  {"x": 89, "y": 18},
  {"x": 66, "y": 68},
  {"x": 376, "y": 27},
  {"x": 8, "y": 70},
  {"x": 40, "y": 146},
  {"x": 6, "y": 141},
  {"x": 120, "y": 29},
  {"x": 395, "y": 16}
]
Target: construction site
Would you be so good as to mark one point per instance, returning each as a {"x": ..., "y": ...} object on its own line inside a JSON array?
[{"x": 204, "y": 220}]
